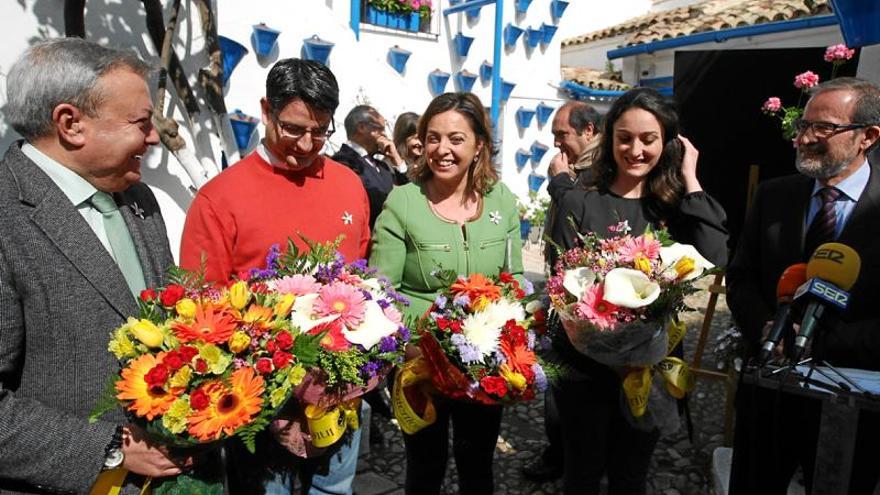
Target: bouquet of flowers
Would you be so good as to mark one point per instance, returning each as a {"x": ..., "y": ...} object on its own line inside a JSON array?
[
  {"x": 617, "y": 298},
  {"x": 478, "y": 344}
]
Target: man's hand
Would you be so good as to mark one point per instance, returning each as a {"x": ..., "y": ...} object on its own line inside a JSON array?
[
  {"x": 689, "y": 159},
  {"x": 148, "y": 459},
  {"x": 293, "y": 435},
  {"x": 387, "y": 148},
  {"x": 559, "y": 164}
]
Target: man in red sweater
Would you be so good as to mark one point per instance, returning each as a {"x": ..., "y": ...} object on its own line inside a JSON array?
[{"x": 283, "y": 189}]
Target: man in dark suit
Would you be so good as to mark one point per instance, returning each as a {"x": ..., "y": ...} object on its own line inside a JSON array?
[
  {"x": 365, "y": 129},
  {"x": 777, "y": 433},
  {"x": 79, "y": 238}
]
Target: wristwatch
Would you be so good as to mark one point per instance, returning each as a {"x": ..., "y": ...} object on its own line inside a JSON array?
[{"x": 113, "y": 455}]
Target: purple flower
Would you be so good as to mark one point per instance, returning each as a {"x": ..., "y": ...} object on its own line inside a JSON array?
[
  {"x": 273, "y": 256},
  {"x": 367, "y": 295},
  {"x": 383, "y": 303},
  {"x": 404, "y": 333},
  {"x": 540, "y": 377},
  {"x": 440, "y": 301},
  {"x": 370, "y": 369},
  {"x": 360, "y": 265},
  {"x": 528, "y": 287},
  {"x": 387, "y": 344},
  {"x": 531, "y": 343},
  {"x": 469, "y": 354},
  {"x": 462, "y": 300}
]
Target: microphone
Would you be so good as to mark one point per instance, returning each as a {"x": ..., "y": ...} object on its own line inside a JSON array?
[
  {"x": 792, "y": 278},
  {"x": 832, "y": 270}
]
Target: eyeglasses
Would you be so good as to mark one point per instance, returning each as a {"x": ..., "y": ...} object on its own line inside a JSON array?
[
  {"x": 824, "y": 129},
  {"x": 295, "y": 132}
]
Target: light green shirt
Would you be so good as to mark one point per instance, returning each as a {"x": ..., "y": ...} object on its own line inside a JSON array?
[{"x": 77, "y": 190}]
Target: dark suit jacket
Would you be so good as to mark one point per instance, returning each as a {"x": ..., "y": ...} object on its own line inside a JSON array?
[
  {"x": 773, "y": 239},
  {"x": 378, "y": 183},
  {"x": 61, "y": 295}
]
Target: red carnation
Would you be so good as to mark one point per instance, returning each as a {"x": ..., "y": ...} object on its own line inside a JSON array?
[
  {"x": 442, "y": 324},
  {"x": 157, "y": 376},
  {"x": 520, "y": 293},
  {"x": 455, "y": 326},
  {"x": 201, "y": 365},
  {"x": 264, "y": 366},
  {"x": 171, "y": 295},
  {"x": 271, "y": 346},
  {"x": 506, "y": 277},
  {"x": 173, "y": 360},
  {"x": 199, "y": 400},
  {"x": 281, "y": 359},
  {"x": 284, "y": 340},
  {"x": 148, "y": 295},
  {"x": 188, "y": 352},
  {"x": 494, "y": 385}
]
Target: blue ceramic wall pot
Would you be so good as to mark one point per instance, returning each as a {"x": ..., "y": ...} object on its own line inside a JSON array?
[
  {"x": 462, "y": 44},
  {"x": 485, "y": 71},
  {"x": 522, "y": 6},
  {"x": 243, "y": 126},
  {"x": 233, "y": 52},
  {"x": 557, "y": 8},
  {"x": 535, "y": 182},
  {"x": 438, "y": 79},
  {"x": 316, "y": 49},
  {"x": 511, "y": 34},
  {"x": 525, "y": 227},
  {"x": 506, "y": 89},
  {"x": 263, "y": 39},
  {"x": 549, "y": 30},
  {"x": 397, "y": 58},
  {"x": 524, "y": 117},
  {"x": 534, "y": 36},
  {"x": 521, "y": 157},
  {"x": 465, "y": 80},
  {"x": 544, "y": 111},
  {"x": 859, "y": 21},
  {"x": 538, "y": 152}
]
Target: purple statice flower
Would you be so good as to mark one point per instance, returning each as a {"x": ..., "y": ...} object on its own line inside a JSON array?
[
  {"x": 528, "y": 287},
  {"x": 396, "y": 296},
  {"x": 329, "y": 272},
  {"x": 531, "y": 341},
  {"x": 440, "y": 301},
  {"x": 462, "y": 300},
  {"x": 370, "y": 369},
  {"x": 273, "y": 256},
  {"x": 238, "y": 363},
  {"x": 469, "y": 353},
  {"x": 404, "y": 334},
  {"x": 540, "y": 377},
  {"x": 367, "y": 295},
  {"x": 262, "y": 273},
  {"x": 383, "y": 303},
  {"x": 387, "y": 344},
  {"x": 360, "y": 265}
]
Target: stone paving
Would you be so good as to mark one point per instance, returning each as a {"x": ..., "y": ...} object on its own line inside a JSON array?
[{"x": 678, "y": 467}]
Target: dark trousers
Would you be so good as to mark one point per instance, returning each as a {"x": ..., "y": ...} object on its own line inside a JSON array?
[
  {"x": 553, "y": 453},
  {"x": 598, "y": 440},
  {"x": 475, "y": 432},
  {"x": 777, "y": 432}
]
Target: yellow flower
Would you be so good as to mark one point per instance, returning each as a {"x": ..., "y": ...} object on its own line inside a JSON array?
[
  {"x": 480, "y": 304},
  {"x": 186, "y": 308},
  {"x": 684, "y": 265},
  {"x": 121, "y": 345},
  {"x": 147, "y": 332},
  {"x": 217, "y": 360},
  {"x": 282, "y": 308},
  {"x": 239, "y": 342},
  {"x": 175, "y": 418},
  {"x": 239, "y": 294},
  {"x": 181, "y": 377},
  {"x": 279, "y": 395},
  {"x": 297, "y": 373},
  {"x": 515, "y": 379},
  {"x": 642, "y": 264}
]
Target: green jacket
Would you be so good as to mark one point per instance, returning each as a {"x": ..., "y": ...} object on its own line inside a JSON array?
[{"x": 410, "y": 242}]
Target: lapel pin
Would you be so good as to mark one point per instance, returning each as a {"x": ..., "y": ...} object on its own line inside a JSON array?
[
  {"x": 137, "y": 210},
  {"x": 495, "y": 217},
  {"x": 347, "y": 218}
]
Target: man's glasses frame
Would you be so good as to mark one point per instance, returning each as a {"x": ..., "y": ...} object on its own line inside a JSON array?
[
  {"x": 824, "y": 130},
  {"x": 295, "y": 132}
]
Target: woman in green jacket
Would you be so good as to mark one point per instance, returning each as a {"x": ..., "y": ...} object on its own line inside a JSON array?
[{"x": 454, "y": 215}]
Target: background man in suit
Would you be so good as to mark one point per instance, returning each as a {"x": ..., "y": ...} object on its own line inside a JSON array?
[
  {"x": 365, "y": 129},
  {"x": 840, "y": 125},
  {"x": 80, "y": 237}
]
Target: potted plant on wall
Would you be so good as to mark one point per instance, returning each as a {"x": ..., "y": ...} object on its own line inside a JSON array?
[{"x": 398, "y": 14}]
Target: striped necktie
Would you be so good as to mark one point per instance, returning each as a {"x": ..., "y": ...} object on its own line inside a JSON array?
[
  {"x": 824, "y": 224},
  {"x": 120, "y": 241}
]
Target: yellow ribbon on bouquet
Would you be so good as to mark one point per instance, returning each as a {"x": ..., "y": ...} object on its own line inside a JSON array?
[
  {"x": 110, "y": 483},
  {"x": 328, "y": 425},
  {"x": 410, "y": 374}
]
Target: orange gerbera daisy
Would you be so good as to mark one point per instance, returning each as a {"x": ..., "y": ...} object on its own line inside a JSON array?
[
  {"x": 146, "y": 402},
  {"x": 232, "y": 406},
  {"x": 210, "y": 324},
  {"x": 519, "y": 357},
  {"x": 476, "y": 286}
]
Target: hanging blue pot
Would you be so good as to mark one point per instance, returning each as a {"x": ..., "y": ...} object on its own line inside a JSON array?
[
  {"x": 549, "y": 30},
  {"x": 859, "y": 21},
  {"x": 538, "y": 152},
  {"x": 243, "y": 126},
  {"x": 525, "y": 227},
  {"x": 535, "y": 182},
  {"x": 521, "y": 157},
  {"x": 524, "y": 117},
  {"x": 557, "y": 8},
  {"x": 485, "y": 71},
  {"x": 438, "y": 79},
  {"x": 397, "y": 58},
  {"x": 316, "y": 49},
  {"x": 465, "y": 80},
  {"x": 544, "y": 112},
  {"x": 522, "y": 6},
  {"x": 232, "y": 52},
  {"x": 462, "y": 44},
  {"x": 506, "y": 89},
  {"x": 263, "y": 39},
  {"x": 534, "y": 37},
  {"x": 511, "y": 34},
  {"x": 472, "y": 13}
]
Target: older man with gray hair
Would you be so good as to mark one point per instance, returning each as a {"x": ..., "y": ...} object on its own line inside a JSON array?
[{"x": 80, "y": 237}]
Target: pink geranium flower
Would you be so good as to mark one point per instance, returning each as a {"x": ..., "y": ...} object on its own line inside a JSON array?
[
  {"x": 838, "y": 53},
  {"x": 298, "y": 285},
  {"x": 642, "y": 246},
  {"x": 594, "y": 308},
  {"x": 806, "y": 80},
  {"x": 343, "y": 300},
  {"x": 772, "y": 105}
]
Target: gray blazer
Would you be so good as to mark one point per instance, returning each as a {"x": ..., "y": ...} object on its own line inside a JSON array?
[{"x": 61, "y": 295}]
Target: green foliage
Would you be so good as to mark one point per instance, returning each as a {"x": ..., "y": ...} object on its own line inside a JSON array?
[
  {"x": 342, "y": 367},
  {"x": 188, "y": 484},
  {"x": 293, "y": 261},
  {"x": 248, "y": 434},
  {"x": 789, "y": 115},
  {"x": 306, "y": 348},
  {"x": 187, "y": 278},
  {"x": 107, "y": 401}
]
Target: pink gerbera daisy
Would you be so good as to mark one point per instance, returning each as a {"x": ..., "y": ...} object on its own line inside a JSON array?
[
  {"x": 298, "y": 285},
  {"x": 642, "y": 246},
  {"x": 393, "y": 314},
  {"x": 594, "y": 308},
  {"x": 343, "y": 300}
]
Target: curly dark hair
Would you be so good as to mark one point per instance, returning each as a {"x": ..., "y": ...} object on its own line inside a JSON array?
[{"x": 664, "y": 185}]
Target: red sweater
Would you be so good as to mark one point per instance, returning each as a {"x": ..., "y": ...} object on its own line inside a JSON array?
[{"x": 239, "y": 214}]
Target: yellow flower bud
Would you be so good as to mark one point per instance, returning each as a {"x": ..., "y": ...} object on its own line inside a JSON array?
[
  {"x": 642, "y": 264},
  {"x": 296, "y": 375},
  {"x": 239, "y": 294},
  {"x": 181, "y": 377},
  {"x": 239, "y": 342},
  {"x": 513, "y": 378},
  {"x": 480, "y": 303},
  {"x": 186, "y": 308},
  {"x": 684, "y": 265},
  {"x": 148, "y": 333},
  {"x": 282, "y": 308}
]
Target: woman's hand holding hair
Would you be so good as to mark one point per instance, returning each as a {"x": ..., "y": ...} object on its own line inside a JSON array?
[{"x": 689, "y": 166}]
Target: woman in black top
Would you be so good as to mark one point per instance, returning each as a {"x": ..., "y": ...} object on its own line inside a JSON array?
[{"x": 646, "y": 174}]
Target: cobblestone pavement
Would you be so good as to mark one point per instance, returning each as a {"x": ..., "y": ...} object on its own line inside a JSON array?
[{"x": 678, "y": 467}]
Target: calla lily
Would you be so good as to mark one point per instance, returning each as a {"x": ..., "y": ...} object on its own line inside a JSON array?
[
  {"x": 630, "y": 288},
  {"x": 687, "y": 262},
  {"x": 302, "y": 314},
  {"x": 577, "y": 280},
  {"x": 534, "y": 306},
  {"x": 374, "y": 327}
]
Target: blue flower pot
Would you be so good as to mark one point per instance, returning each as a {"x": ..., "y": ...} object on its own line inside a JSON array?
[
  {"x": 232, "y": 52},
  {"x": 382, "y": 17},
  {"x": 472, "y": 13},
  {"x": 548, "y": 31},
  {"x": 397, "y": 58},
  {"x": 506, "y": 89},
  {"x": 521, "y": 157},
  {"x": 316, "y": 49},
  {"x": 525, "y": 227},
  {"x": 372, "y": 14},
  {"x": 462, "y": 44},
  {"x": 538, "y": 152},
  {"x": 557, "y": 8},
  {"x": 511, "y": 34},
  {"x": 534, "y": 37},
  {"x": 524, "y": 117},
  {"x": 263, "y": 39},
  {"x": 859, "y": 21},
  {"x": 465, "y": 80},
  {"x": 438, "y": 79},
  {"x": 535, "y": 182},
  {"x": 415, "y": 22},
  {"x": 522, "y": 6},
  {"x": 485, "y": 71},
  {"x": 243, "y": 127},
  {"x": 543, "y": 111}
]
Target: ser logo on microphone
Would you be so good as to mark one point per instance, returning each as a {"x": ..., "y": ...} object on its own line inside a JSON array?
[
  {"x": 829, "y": 254},
  {"x": 825, "y": 291}
]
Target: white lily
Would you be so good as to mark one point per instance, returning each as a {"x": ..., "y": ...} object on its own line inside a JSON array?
[
  {"x": 374, "y": 327},
  {"x": 685, "y": 260},
  {"x": 630, "y": 288},
  {"x": 576, "y": 281},
  {"x": 302, "y": 314}
]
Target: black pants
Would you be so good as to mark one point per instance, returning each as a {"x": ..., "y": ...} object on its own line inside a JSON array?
[
  {"x": 553, "y": 454},
  {"x": 475, "y": 432},
  {"x": 597, "y": 440},
  {"x": 777, "y": 432}
]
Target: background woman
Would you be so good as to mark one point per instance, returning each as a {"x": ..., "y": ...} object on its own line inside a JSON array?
[
  {"x": 455, "y": 214},
  {"x": 646, "y": 174},
  {"x": 406, "y": 138}
]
